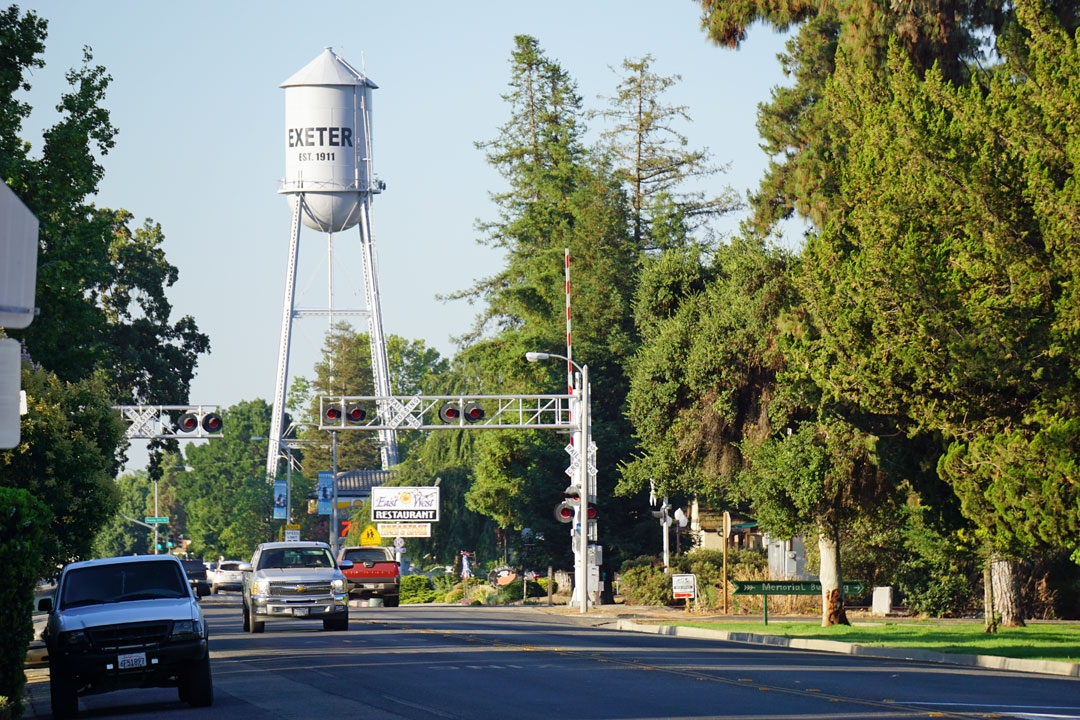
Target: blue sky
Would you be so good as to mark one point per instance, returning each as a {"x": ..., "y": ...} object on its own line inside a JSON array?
[{"x": 200, "y": 148}]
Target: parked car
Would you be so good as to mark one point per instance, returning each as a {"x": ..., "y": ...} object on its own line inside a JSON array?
[
  {"x": 375, "y": 573},
  {"x": 295, "y": 580},
  {"x": 196, "y": 575},
  {"x": 125, "y": 622},
  {"x": 36, "y": 653},
  {"x": 226, "y": 576}
]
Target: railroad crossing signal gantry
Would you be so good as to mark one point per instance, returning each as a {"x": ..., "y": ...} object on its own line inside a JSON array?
[{"x": 422, "y": 412}]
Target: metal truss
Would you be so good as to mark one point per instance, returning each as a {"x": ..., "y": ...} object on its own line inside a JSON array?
[
  {"x": 421, "y": 412},
  {"x": 156, "y": 422}
]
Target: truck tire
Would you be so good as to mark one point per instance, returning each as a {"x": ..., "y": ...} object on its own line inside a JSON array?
[
  {"x": 340, "y": 624},
  {"x": 197, "y": 684},
  {"x": 391, "y": 601},
  {"x": 62, "y": 694},
  {"x": 247, "y": 619}
]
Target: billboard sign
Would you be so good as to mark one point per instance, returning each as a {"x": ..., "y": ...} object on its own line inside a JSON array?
[{"x": 405, "y": 504}]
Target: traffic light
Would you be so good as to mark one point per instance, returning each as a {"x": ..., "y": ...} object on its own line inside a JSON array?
[
  {"x": 564, "y": 511},
  {"x": 332, "y": 414},
  {"x": 188, "y": 422},
  {"x": 451, "y": 413},
  {"x": 355, "y": 414}
]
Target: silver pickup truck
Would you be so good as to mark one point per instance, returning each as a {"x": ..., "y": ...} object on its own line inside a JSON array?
[{"x": 295, "y": 581}]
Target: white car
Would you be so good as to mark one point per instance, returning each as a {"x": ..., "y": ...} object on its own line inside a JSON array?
[{"x": 226, "y": 576}]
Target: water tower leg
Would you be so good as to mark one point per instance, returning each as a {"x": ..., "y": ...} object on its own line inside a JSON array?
[
  {"x": 379, "y": 362},
  {"x": 273, "y": 451}
]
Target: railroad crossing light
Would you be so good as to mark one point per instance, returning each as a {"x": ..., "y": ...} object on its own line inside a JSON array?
[
  {"x": 332, "y": 413},
  {"x": 473, "y": 412},
  {"x": 450, "y": 413},
  {"x": 187, "y": 423},
  {"x": 564, "y": 511},
  {"x": 592, "y": 512},
  {"x": 355, "y": 414},
  {"x": 211, "y": 423}
]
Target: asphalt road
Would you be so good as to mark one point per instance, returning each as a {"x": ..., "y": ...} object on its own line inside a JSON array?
[{"x": 523, "y": 663}]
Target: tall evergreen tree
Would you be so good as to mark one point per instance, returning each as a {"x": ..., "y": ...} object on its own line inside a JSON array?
[{"x": 652, "y": 155}]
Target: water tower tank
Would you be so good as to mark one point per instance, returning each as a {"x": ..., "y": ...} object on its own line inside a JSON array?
[{"x": 328, "y": 142}]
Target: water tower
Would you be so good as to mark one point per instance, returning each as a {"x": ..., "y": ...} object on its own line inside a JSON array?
[{"x": 330, "y": 185}]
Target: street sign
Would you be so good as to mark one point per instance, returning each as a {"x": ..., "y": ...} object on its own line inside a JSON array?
[
  {"x": 292, "y": 533},
  {"x": 370, "y": 536},
  {"x": 790, "y": 587},
  {"x": 683, "y": 586},
  {"x": 157, "y": 520}
]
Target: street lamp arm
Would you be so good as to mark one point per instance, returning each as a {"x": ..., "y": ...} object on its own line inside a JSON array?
[{"x": 538, "y": 356}]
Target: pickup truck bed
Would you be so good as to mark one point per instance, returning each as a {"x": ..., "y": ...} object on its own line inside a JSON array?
[{"x": 374, "y": 573}]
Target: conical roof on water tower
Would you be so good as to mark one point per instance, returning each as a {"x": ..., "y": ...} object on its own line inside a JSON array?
[{"x": 328, "y": 141}]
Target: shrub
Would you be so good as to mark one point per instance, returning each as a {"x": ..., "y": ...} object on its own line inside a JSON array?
[
  {"x": 23, "y": 521},
  {"x": 416, "y": 589}
]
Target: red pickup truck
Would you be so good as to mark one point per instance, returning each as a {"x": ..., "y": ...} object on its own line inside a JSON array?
[{"x": 374, "y": 573}]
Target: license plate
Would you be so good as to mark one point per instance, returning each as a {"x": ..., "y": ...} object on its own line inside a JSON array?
[
  {"x": 131, "y": 660},
  {"x": 300, "y": 612}
]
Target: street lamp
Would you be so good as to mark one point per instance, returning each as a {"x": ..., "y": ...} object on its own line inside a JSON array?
[{"x": 581, "y": 576}]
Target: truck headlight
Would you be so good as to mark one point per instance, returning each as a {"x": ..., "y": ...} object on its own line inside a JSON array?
[
  {"x": 260, "y": 587},
  {"x": 186, "y": 630},
  {"x": 76, "y": 641},
  {"x": 338, "y": 585}
]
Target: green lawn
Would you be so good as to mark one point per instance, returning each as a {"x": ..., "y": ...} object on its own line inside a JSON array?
[{"x": 1043, "y": 641}]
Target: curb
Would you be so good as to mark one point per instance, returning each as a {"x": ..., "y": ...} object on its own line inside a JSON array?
[{"x": 994, "y": 662}]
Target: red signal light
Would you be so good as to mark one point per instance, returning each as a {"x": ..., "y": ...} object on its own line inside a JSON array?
[
  {"x": 211, "y": 423},
  {"x": 332, "y": 413},
  {"x": 473, "y": 412},
  {"x": 187, "y": 423}
]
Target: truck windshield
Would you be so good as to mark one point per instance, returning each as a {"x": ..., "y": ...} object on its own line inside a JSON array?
[
  {"x": 296, "y": 558},
  {"x": 99, "y": 584}
]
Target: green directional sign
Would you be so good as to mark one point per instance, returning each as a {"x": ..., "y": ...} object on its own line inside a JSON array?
[
  {"x": 157, "y": 520},
  {"x": 790, "y": 587}
]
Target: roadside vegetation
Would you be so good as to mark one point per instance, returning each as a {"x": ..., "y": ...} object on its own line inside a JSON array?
[
  {"x": 898, "y": 385},
  {"x": 1036, "y": 641}
]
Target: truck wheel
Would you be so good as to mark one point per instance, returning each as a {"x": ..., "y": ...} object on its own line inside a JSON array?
[
  {"x": 391, "y": 601},
  {"x": 62, "y": 694},
  {"x": 247, "y": 619},
  {"x": 197, "y": 685},
  {"x": 341, "y": 623}
]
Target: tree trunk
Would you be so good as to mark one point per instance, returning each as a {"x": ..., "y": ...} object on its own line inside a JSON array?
[
  {"x": 1006, "y": 591},
  {"x": 832, "y": 596},
  {"x": 989, "y": 619}
]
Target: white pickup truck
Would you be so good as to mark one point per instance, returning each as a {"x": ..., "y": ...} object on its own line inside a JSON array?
[{"x": 295, "y": 581}]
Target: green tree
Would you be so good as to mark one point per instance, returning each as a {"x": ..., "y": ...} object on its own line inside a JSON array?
[
  {"x": 943, "y": 286},
  {"x": 223, "y": 491},
  {"x": 121, "y": 536},
  {"x": 795, "y": 131},
  {"x": 651, "y": 154},
  {"x": 67, "y": 458}
]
